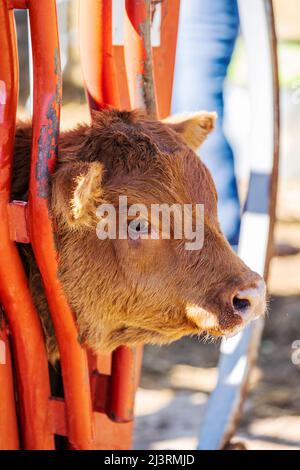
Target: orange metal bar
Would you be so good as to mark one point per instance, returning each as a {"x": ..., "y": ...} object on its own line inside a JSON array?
[
  {"x": 17, "y": 4},
  {"x": 9, "y": 439},
  {"x": 138, "y": 55},
  {"x": 100, "y": 376},
  {"x": 27, "y": 336},
  {"x": 164, "y": 56},
  {"x": 58, "y": 416},
  {"x": 106, "y": 79},
  {"x": 17, "y": 215},
  {"x": 126, "y": 365},
  {"x": 95, "y": 26},
  {"x": 46, "y": 113},
  {"x": 111, "y": 435}
]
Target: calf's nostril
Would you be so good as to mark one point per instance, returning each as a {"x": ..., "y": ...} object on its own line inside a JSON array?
[{"x": 240, "y": 304}]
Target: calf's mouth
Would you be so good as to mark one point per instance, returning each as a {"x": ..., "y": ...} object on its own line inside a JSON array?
[{"x": 229, "y": 318}]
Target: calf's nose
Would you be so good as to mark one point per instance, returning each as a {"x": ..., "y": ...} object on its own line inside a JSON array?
[{"x": 251, "y": 302}]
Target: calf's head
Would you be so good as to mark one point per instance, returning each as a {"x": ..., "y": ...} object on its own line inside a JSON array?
[{"x": 136, "y": 289}]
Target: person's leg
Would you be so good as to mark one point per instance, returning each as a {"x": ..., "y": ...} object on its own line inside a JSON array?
[{"x": 207, "y": 34}]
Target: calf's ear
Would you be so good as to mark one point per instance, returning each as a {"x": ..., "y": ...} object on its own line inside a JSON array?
[
  {"x": 77, "y": 192},
  {"x": 193, "y": 127}
]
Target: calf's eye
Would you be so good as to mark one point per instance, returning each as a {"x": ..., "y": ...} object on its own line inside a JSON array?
[{"x": 137, "y": 228}]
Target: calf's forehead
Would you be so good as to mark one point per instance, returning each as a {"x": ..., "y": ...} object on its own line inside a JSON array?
[
  {"x": 180, "y": 177},
  {"x": 150, "y": 151},
  {"x": 197, "y": 181}
]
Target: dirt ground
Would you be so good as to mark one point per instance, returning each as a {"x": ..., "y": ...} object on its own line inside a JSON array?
[{"x": 177, "y": 379}]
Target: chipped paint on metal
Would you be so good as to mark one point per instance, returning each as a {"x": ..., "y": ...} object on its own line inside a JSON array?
[
  {"x": 148, "y": 88},
  {"x": 48, "y": 138}
]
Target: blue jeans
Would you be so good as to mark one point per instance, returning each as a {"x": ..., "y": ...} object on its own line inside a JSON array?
[{"x": 206, "y": 38}]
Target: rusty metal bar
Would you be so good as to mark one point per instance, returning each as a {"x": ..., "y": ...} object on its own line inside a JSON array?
[
  {"x": 138, "y": 55},
  {"x": 27, "y": 335},
  {"x": 46, "y": 115}
]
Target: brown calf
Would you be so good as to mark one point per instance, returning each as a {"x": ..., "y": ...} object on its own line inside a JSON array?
[{"x": 131, "y": 291}]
